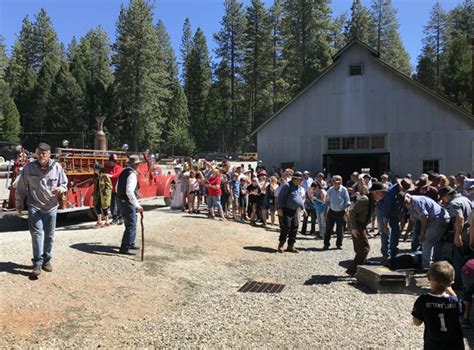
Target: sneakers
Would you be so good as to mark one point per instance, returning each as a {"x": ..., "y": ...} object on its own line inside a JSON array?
[
  {"x": 466, "y": 323},
  {"x": 120, "y": 222},
  {"x": 36, "y": 271},
  {"x": 114, "y": 222},
  {"x": 48, "y": 267}
]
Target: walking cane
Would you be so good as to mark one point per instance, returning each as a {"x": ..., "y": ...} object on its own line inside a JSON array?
[{"x": 143, "y": 235}]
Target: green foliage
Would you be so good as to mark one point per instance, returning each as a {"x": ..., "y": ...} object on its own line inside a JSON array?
[
  {"x": 338, "y": 36},
  {"x": 257, "y": 65},
  {"x": 456, "y": 76},
  {"x": 386, "y": 39},
  {"x": 9, "y": 116},
  {"x": 230, "y": 49},
  {"x": 360, "y": 25},
  {"x": 430, "y": 62},
  {"x": 196, "y": 87},
  {"x": 140, "y": 78},
  {"x": 186, "y": 45},
  {"x": 65, "y": 105},
  {"x": 307, "y": 41}
]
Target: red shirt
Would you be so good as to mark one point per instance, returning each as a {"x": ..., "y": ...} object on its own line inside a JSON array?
[
  {"x": 115, "y": 172},
  {"x": 214, "y": 180}
]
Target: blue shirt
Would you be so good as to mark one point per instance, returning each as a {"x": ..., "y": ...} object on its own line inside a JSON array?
[
  {"x": 235, "y": 188},
  {"x": 338, "y": 200},
  {"x": 425, "y": 206},
  {"x": 388, "y": 205},
  {"x": 290, "y": 197}
]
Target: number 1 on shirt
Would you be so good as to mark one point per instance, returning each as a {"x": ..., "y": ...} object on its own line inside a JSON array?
[{"x": 443, "y": 323}]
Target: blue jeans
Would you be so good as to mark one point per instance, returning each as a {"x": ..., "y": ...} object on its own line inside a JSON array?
[
  {"x": 129, "y": 215},
  {"x": 321, "y": 223},
  {"x": 114, "y": 207},
  {"x": 391, "y": 238},
  {"x": 431, "y": 250},
  {"x": 415, "y": 244},
  {"x": 39, "y": 223},
  {"x": 214, "y": 201}
]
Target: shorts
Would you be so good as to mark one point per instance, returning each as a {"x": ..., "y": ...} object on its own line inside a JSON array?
[
  {"x": 214, "y": 201},
  {"x": 243, "y": 201},
  {"x": 101, "y": 211},
  {"x": 195, "y": 193}
]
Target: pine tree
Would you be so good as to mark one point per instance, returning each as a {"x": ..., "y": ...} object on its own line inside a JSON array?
[
  {"x": 430, "y": 61},
  {"x": 257, "y": 66},
  {"x": 185, "y": 49},
  {"x": 338, "y": 36},
  {"x": 65, "y": 105},
  {"x": 45, "y": 40},
  {"x": 456, "y": 73},
  {"x": 9, "y": 116},
  {"x": 139, "y": 76},
  {"x": 307, "y": 45},
  {"x": 176, "y": 136},
  {"x": 197, "y": 86},
  {"x": 230, "y": 49},
  {"x": 386, "y": 39},
  {"x": 279, "y": 86},
  {"x": 360, "y": 25}
]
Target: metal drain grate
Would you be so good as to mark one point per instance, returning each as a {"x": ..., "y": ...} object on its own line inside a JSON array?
[{"x": 261, "y": 287}]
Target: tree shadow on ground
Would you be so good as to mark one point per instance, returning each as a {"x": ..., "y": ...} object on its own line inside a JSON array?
[
  {"x": 260, "y": 249},
  {"x": 95, "y": 248}
]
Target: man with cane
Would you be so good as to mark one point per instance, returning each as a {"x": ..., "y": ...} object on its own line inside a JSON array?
[{"x": 127, "y": 194}]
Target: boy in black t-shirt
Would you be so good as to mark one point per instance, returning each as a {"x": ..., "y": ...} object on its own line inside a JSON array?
[{"x": 440, "y": 310}]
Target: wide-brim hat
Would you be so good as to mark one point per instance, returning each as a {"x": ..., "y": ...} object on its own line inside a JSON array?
[
  {"x": 133, "y": 159},
  {"x": 443, "y": 191},
  {"x": 297, "y": 175},
  {"x": 377, "y": 186},
  {"x": 423, "y": 182},
  {"x": 406, "y": 184}
]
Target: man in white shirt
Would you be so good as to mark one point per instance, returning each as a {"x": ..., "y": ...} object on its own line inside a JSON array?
[
  {"x": 127, "y": 193},
  {"x": 307, "y": 180}
]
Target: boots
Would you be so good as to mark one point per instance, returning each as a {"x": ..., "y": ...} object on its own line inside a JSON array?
[
  {"x": 291, "y": 248},
  {"x": 280, "y": 247}
]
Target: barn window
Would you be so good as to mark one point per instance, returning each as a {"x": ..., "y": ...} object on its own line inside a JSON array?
[
  {"x": 431, "y": 165},
  {"x": 378, "y": 142},
  {"x": 334, "y": 143},
  {"x": 348, "y": 142},
  {"x": 355, "y": 69},
  {"x": 363, "y": 142}
]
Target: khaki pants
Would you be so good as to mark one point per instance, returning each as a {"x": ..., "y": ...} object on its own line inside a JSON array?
[{"x": 361, "y": 249}]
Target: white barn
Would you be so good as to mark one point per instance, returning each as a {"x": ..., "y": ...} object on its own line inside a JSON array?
[{"x": 362, "y": 114}]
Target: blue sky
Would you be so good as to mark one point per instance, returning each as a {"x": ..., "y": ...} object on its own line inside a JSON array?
[{"x": 76, "y": 17}]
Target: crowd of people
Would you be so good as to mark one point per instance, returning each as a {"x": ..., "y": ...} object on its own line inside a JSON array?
[{"x": 435, "y": 211}]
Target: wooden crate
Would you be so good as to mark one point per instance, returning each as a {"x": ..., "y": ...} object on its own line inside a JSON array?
[{"x": 380, "y": 279}]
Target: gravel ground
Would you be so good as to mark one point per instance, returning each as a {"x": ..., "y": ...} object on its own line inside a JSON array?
[{"x": 185, "y": 293}]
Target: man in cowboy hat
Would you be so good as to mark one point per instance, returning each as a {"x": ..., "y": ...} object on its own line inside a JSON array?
[
  {"x": 127, "y": 193},
  {"x": 289, "y": 201},
  {"x": 459, "y": 209},
  {"x": 359, "y": 217}
]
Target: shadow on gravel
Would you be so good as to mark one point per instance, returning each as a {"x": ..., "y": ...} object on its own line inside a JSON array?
[
  {"x": 15, "y": 269},
  {"x": 12, "y": 223},
  {"x": 260, "y": 249},
  {"x": 95, "y": 248},
  {"x": 327, "y": 279},
  {"x": 311, "y": 249}
]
